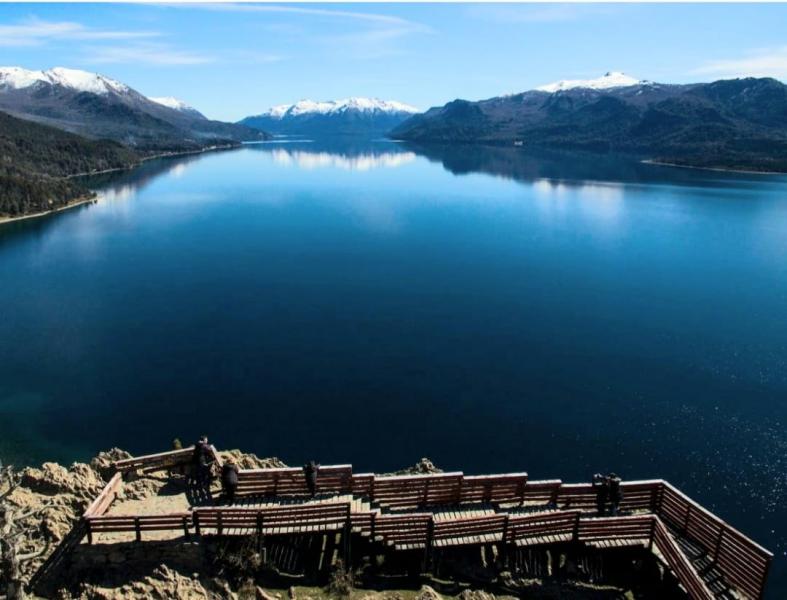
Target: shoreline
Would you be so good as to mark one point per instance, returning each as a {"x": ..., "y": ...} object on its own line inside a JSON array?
[
  {"x": 660, "y": 163},
  {"x": 72, "y": 204},
  {"x": 79, "y": 201}
]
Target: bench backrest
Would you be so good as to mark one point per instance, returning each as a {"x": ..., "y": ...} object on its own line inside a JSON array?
[
  {"x": 292, "y": 481},
  {"x": 407, "y": 529},
  {"x": 412, "y": 491},
  {"x": 295, "y": 518},
  {"x": 539, "y": 525},
  {"x": 458, "y": 532},
  {"x": 503, "y": 488}
]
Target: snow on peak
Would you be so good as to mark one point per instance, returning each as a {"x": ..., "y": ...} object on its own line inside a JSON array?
[
  {"x": 612, "y": 79},
  {"x": 82, "y": 81},
  {"x": 171, "y": 102},
  {"x": 339, "y": 106}
]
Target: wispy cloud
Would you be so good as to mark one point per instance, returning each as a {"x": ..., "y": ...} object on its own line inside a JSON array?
[
  {"x": 545, "y": 13},
  {"x": 153, "y": 54},
  {"x": 299, "y": 10},
  {"x": 764, "y": 62},
  {"x": 36, "y": 32},
  {"x": 375, "y": 34}
]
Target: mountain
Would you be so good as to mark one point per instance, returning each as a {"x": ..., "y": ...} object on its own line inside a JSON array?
[
  {"x": 96, "y": 106},
  {"x": 178, "y": 105},
  {"x": 35, "y": 161},
  {"x": 349, "y": 117},
  {"x": 611, "y": 79},
  {"x": 738, "y": 123}
]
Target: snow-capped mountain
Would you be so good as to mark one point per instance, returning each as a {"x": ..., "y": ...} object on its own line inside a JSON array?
[
  {"x": 80, "y": 81},
  {"x": 97, "y": 106},
  {"x": 176, "y": 104},
  {"x": 611, "y": 79},
  {"x": 350, "y": 116}
]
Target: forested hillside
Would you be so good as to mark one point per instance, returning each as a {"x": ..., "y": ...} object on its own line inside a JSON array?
[{"x": 35, "y": 159}]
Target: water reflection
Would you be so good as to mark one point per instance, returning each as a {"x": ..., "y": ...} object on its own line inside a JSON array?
[
  {"x": 341, "y": 153},
  {"x": 562, "y": 168}
]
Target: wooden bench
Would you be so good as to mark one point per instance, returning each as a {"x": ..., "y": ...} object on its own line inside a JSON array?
[
  {"x": 475, "y": 530},
  {"x": 128, "y": 523},
  {"x": 406, "y": 531},
  {"x": 543, "y": 492},
  {"x": 279, "y": 520},
  {"x": 542, "y": 528},
  {"x": 414, "y": 491},
  {"x": 497, "y": 489},
  {"x": 608, "y": 532},
  {"x": 336, "y": 479}
]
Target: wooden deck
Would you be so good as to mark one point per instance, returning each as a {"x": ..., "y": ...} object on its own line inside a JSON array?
[{"x": 426, "y": 512}]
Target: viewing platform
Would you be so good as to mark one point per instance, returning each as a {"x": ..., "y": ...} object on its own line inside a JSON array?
[{"x": 424, "y": 515}]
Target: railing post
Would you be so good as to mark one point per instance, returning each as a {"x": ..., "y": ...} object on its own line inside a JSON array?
[
  {"x": 219, "y": 526},
  {"x": 652, "y": 531},
  {"x": 196, "y": 523},
  {"x": 89, "y": 531},
  {"x": 429, "y": 543},
  {"x": 718, "y": 545},
  {"x": 186, "y": 527},
  {"x": 575, "y": 533},
  {"x": 346, "y": 533},
  {"x": 686, "y": 519},
  {"x": 137, "y": 529},
  {"x": 505, "y": 541}
]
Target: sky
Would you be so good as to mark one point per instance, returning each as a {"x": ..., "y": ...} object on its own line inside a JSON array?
[{"x": 234, "y": 60}]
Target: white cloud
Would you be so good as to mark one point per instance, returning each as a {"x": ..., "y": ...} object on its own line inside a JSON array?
[
  {"x": 767, "y": 62},
  {"x": 35, "y": 32},
  {"x": 160, "y": 55}
]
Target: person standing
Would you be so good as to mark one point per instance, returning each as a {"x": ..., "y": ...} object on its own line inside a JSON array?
[
  {"x": 202, "y": 460},
  {"x": 601, "y": 485},
  {"x": 229, "y": 480},
  {"x": 310, "y": 470},
  {"x": 615, "y": 495}
]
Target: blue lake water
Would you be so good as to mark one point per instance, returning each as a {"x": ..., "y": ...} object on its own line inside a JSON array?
[{"x": 374, "y": 303}]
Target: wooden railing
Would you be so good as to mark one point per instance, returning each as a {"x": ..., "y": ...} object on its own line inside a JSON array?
[
  {"x": 101, "y": 504},
  {"x": 680, "y": 565},
  {"x": 161, "y": 460},
  {"x": 743, "y": 563}
]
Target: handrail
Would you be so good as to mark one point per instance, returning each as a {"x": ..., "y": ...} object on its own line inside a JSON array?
[{"x": 743, "y": 563}]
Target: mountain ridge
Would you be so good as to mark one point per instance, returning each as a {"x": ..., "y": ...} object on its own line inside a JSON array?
[
  {"x": 99, "y": 107},
  {"x": 349, "y": 116},
  {"x": 738, "y": 123}
]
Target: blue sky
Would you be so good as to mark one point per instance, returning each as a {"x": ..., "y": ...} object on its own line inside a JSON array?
[{"x": 233, "y": 60}]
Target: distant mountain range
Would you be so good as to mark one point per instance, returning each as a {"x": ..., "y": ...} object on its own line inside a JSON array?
[
  {"x": 350, "y": 117},
  {"x": 739, "y": 123},
  {"x": 96, "y": 106}
]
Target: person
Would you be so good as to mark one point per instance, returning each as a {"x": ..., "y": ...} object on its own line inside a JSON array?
[
  {"x": 202, "y": 460},
  {"x": 601, "y": 485},
  {"x": 615, "y": 495},
  {"x": 229, "y": 480},
  {"x": 310, "y": 470}
]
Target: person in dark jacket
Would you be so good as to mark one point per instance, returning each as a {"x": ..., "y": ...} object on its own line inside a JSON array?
[
  {"x": 601, "y": 486},
  {"x": 310, "y": 470},
  {"x": 202, "y": 459},
  {"x": 615, "y": 494},
  {"x": 229, "y": 480}
]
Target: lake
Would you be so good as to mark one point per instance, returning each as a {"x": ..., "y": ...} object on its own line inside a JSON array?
[{"x": 373, "y": 303}]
